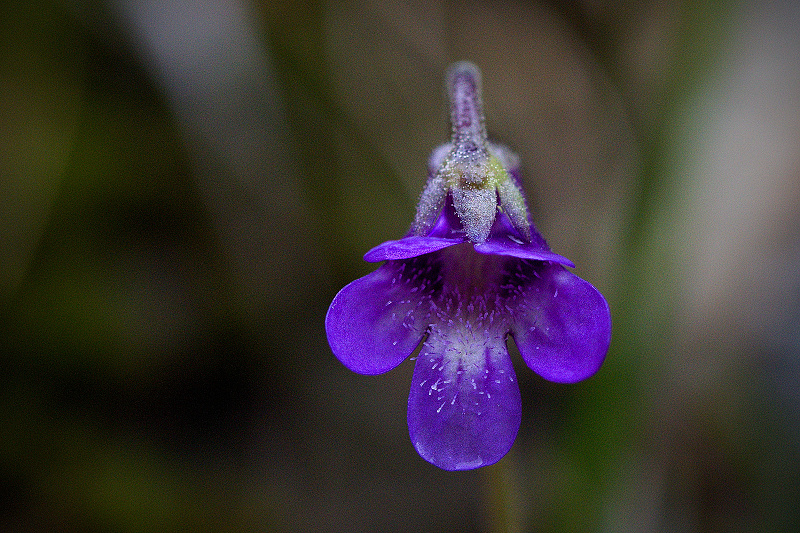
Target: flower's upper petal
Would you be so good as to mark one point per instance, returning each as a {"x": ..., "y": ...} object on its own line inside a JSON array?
[
  {"x": 521, "y": 250},
  {"x": 409, "y": 247},
  {"x": 375, "y": 322},
  {"x": 464, "y": 408},
  {"x": 505, "y": 240},
  {"x": 562, "y": 324},
  {"x": 446, "y": 231}
]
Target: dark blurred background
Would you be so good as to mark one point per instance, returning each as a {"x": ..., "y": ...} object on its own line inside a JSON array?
[{"x": 185, "y": 185}]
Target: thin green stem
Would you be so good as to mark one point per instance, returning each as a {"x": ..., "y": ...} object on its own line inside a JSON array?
[{"x": 501, "y": 494}]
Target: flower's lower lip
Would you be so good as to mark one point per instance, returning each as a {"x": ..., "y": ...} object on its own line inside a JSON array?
[{"x": 463, "y": 387}]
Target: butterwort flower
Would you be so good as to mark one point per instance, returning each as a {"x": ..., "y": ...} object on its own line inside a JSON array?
[{"x": 471, "y": 272}]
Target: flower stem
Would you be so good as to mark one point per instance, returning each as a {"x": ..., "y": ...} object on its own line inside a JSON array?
[{"x": 502, "y": 497}]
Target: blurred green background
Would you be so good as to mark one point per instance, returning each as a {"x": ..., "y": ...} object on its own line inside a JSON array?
[{"x": 185, "y": 185}]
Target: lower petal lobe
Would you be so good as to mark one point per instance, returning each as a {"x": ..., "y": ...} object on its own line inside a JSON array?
[
  {"x": 464, "y": 408},
  {"x": 561, "y": 324}
]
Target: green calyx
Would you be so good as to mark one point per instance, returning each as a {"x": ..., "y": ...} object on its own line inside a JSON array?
[
  {"x": 474, "y": 171},
  {"x": 480, "y": 185}
]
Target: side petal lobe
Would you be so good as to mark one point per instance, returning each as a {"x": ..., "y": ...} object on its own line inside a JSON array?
[
  {"x": 375, "y": 322},
  {"x": 562, "y": 325}
]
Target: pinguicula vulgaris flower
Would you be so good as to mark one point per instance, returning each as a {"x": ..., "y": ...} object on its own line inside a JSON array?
[{"x": 471, "y": 272}]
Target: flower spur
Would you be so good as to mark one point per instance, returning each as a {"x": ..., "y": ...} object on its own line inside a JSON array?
[{"x": 472, "y": 271}]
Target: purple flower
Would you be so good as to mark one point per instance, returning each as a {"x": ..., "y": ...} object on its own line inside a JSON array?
[{"x": 471, "y": 272}]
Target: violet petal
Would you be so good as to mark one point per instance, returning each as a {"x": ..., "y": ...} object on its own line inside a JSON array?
[
  {"x": 522, "y": 250},
  {"x": 408, "y": 247},
  {"x": 464, "y": 408},
  {"x": 505, "y": 240},
  {"x": 562, "y": 325},
  {"x": 375, "y": 322}
]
